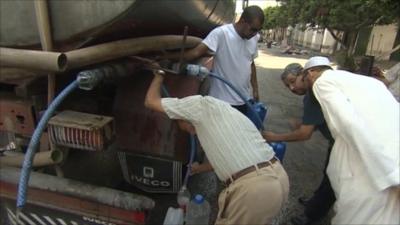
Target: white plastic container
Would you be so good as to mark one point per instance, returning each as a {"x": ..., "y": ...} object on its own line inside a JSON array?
[
  {"x": 174, "y": 216},
  {"x": 198, "y": 211}
]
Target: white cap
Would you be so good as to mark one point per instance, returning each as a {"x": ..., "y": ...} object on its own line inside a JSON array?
[{"x": 316, "y": 61}]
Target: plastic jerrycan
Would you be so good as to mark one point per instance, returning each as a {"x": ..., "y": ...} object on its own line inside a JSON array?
[
  {"x": 260, "y": 109},
  {"x": 279, "y": 149},
  {"x": 174, "y": 216}
]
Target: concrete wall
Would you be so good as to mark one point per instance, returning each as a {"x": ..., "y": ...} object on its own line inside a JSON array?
[
  {"x": 381, "y": 41},
  {"x": 308, "y": 35},
  {"x": 328, "y": 43},
  {"x": 298, "y": 35},
  {"x": 317, "y": 38}
]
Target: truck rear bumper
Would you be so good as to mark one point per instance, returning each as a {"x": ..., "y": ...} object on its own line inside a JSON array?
[{"x": 76, "y": 203}]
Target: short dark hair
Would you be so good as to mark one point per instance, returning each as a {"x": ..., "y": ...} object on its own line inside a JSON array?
[
  {"x": 293, "y": 68},
  {"x": 252, "y": 12}
]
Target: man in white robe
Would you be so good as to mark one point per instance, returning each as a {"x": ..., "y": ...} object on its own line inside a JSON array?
[{"x": 363, "y": 117}]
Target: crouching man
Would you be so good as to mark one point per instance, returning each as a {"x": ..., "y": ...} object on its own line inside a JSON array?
[{"x": 257, "y": 184}]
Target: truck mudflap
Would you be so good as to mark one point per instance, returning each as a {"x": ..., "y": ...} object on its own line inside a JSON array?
[
  {"x": 151, "y": 174},
  {"x": 53, "y": 200}
]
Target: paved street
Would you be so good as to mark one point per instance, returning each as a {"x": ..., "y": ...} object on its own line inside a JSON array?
[{"x": 303, "y": 160}]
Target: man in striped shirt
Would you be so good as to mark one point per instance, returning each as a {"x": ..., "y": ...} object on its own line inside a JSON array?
[{"x": 257, "y": 184}]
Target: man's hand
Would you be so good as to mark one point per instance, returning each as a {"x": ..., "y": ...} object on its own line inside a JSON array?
[
  {"x": 268, "y": 135},
  {"x": 159, "y": 74},
  {"x": 303, "y": 133},
  {"x": 153, "y": 96},
  {"x": 200, "y": 168}
]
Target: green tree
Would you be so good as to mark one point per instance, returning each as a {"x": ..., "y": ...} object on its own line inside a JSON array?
[
  {"x": 275, "y": 17},
  {"x": 349, "y": 16}
]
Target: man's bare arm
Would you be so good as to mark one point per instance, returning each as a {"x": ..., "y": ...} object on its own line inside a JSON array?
[
  {"x": 303, "y": 133},
  {"x": 254, "y": 82},
  {"x": 190, "y": 55},
  {"x": 153, "y": 96}
]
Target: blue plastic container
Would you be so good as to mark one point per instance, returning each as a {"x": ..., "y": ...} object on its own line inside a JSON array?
[
  {"x": 261, "y": 111},
  {"x": 279, "y": 149}
]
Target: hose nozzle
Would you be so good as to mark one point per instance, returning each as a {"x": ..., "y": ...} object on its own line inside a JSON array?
[
  {"x": 89, "y": 79},
  {"x": 197, "y": 70},
  {"x": 185, "y": 69}
]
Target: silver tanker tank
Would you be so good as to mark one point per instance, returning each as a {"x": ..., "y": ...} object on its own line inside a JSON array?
[{"x": 78, "y": 23}]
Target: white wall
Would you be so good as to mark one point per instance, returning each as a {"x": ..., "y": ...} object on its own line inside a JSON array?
[
  {"x": 316, "y": 41},
  {"x": 298, "y": 35},
  {"x": 381, "y": 41},
  {"x": 328, "y": 43},
  {"x": 308, "y": 35}
]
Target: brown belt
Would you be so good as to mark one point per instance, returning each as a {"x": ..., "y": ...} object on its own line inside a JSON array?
[{"x": 249, "y": 170}]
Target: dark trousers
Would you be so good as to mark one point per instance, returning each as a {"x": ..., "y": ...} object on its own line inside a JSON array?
[
  {"x": 321, "y": 202},
  {"x": 242, "y": 108},
  {"x": 324, "y": 197}
]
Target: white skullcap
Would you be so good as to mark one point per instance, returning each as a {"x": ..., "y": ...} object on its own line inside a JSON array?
[{"x": 317, "y": 61}]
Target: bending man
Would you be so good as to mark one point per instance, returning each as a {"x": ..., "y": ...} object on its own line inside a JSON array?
[
  {"x": 363, "y": 118},
  {"x": 257, "y": 184},
  {"x": 320, "y": 203}
]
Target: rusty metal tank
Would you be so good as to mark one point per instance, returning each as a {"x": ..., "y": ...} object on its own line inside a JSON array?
[
  {"x": 149, "y": 147},
  {"x": 78, "y": 23}
]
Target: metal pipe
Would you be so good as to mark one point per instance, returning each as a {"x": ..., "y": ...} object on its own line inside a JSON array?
[
  {"x": 122, "y": 48},
  {"x": 41, "y": 159},
  {"x": 182, "y": 54},
  {"x": 43, "y": 23},
  {"x": 12, "y": 75},
  {"x": 78, "y": 189},
  {"x": 31, "y": 59}
]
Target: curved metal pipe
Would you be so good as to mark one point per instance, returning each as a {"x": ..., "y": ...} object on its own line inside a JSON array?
[
  {"x": 31, "y": 59},
  {"x": 59, "y": 62},
  {"x": 41, "y": 159},
  {"x": 122, "y": 48},
  {"x": 111, "y": 197}
]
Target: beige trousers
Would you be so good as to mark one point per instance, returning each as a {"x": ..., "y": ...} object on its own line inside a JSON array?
[{"x": 255, "y": 198}]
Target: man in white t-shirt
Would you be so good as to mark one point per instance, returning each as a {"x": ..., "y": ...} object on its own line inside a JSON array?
[
  {"x": 257, "y": 184},
  {"x": 363, "y": 118},
  {"x": 235, "y": 48}
]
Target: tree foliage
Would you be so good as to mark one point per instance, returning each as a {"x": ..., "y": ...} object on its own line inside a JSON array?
[
  {"x": 275, "y": 17},
  {"x": 348, "y": 16}
]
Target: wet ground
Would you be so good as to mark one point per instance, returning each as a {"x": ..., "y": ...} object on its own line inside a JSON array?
[{"x": 303, "y": 160}]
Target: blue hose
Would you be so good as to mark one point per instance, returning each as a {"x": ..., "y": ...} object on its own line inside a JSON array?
[
  {"x": 192, "y": 144},
  {"x": 246, "y": 101},
  {"x": 278, "y": 147},
  {"x": 192, "y": 152},
  {"x": 34, "y": 142}
]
